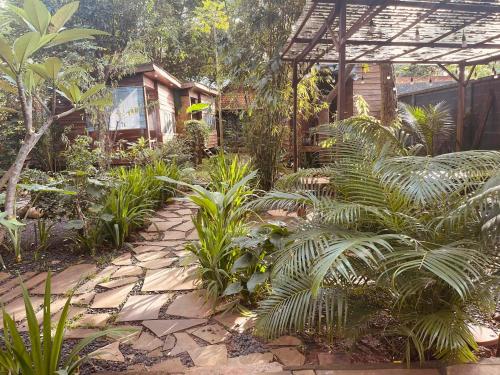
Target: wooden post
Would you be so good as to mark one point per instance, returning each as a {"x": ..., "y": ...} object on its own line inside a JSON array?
[
  {"x": 146, "y": 114},
  {"x": 341, "y": 98},
  {"x": 295, "y": 83},
  {"x": 460, "y": 108}
]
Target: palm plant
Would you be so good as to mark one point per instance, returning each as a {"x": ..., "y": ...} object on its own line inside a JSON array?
[
  {"x": 395, "y": 233},
  {"x": 44, "y": 355},
  {"x": 430, "y": 125}
]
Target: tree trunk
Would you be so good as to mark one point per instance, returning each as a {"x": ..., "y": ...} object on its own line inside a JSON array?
[
  {"x": 16, "y": 168},
  {"x": 219, "y": 89},
  {"x": 388, "y": 110}
]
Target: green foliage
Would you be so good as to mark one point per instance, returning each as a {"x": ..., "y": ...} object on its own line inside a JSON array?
[
  {"x": 44, "y": 355},
  {"x": 137, "y": 193},
  {"x": 81, "y": 155},
  {"x": 226, "y": 171},
  {"x": 430, "y": 125},
  {"x": 14, "y": 228},
  {"x": 197, "y": 132},
  {"x": 406, "y": 225},
  {"x": 220, "y": 219}
]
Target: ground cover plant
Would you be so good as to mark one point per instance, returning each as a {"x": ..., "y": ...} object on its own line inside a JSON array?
[{"x": 398, "y": 234}]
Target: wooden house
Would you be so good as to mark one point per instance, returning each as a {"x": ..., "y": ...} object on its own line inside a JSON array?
[{"x": 151, "y": 103}]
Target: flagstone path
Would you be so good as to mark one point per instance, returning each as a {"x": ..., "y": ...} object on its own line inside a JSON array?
[{"x": 169, "y": 327}]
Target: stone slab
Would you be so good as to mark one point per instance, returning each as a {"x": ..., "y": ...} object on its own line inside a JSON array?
[
  {"x": 251, "y": 359},
  {"x": 157, "y": 263},
  {"x": 4, "y": 276},
  {"x": 165, "y": 327},
  {"x": 483, "y": 335},
  {"x": 146, "y": 248},
  {"x": 162, "y": 226},
  {"x": 142, "y": 307},
  {"x": 234, "y": 321},
  {"x": 93, "y": 320},
  {"x": 115, "y": 283},
  {"x": 109, "y": 352},
  {"x": 183, "y": 343},
  {"x": 212, "y": 355},
  {"x": 79, "y": 333},
  {"x": 111, "y": 299},
  {"x": 191, "y": 305},
  {"x": 212, "y": 333},
  {"x": 289, "y": 356},
  {"x": 127, "y": 271},
  {"x": 68, "y": 279},
  {"x": 174, "y": 235},
  {"x": 286, "y": 341},
  {"x": 101, "y": 276},
  {"x": 123, "y": 260},
  {"x": 28, "y": 284},
  {"x": 83, "y": 299},
  {"x": 152, "y": 255},
  {"x": 16, "y": 281},
  {"x": 168, "y": 279},
  {"x": 147, "y": 342},
  {"x": 170, "y": 366}
]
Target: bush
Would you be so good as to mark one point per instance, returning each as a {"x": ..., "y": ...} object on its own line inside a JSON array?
[
  {"x": 414, "y": 227},
  {"x": 197, "y": 133},
  {"x": 221, "y": 218}
]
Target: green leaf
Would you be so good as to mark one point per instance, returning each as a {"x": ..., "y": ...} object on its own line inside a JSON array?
[
  {"x": 63, "y": 14},
  {"x": 11, "y": 224},
  {"x": 8, "y": 87},
  {"x": 246, "y": 260},
  {"x": 72, "y": 35},
  {"x": 8, "y": 110},
  {"x": 198, "y": 107},
  {"x": 6, "y": 52},
  {"x": 38, "y": 15},
  {"x": 233, "y": 288},
  {"x": 256, "y": 279},
  {"x": 92, "y": 91},
  {"x": 50, "y": 69},
  {"x": 25, "y": 46}
]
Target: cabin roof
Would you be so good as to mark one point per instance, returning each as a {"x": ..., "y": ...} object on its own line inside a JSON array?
[{"x": 157, "y": 73}]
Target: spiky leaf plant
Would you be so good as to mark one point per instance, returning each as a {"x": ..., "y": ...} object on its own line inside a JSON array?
[{"x": 405, "y": 232}]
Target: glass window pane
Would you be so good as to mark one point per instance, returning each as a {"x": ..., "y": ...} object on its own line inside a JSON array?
[{"x": 128, "y": 109}]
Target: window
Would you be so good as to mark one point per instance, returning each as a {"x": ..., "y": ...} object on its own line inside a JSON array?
[
  {"x": 168, "y": 122},
  {"x": 128, "y": 109}
]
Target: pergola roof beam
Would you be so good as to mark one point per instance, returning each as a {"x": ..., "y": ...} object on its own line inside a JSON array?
[
  {"x": 368, "y": 16},
  {"x": 405, "y": 29},
  {"x": 480, "y": 44},
  {"x": 323, "y": 29},
  {"x": 381, "y": 43},
  {"x": 299, "y": 29}
]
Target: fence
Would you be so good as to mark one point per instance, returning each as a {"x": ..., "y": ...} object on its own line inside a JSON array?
[{"x": 482, "y": 108}]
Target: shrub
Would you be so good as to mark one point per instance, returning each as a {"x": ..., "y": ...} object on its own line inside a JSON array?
[
  {"x": 197, "y": 132},
  {"x": 412, "y": 227},
  {"x": 220, "y": 219}
]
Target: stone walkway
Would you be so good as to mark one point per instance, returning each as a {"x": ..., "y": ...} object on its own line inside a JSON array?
[{"x": 147, "y": 291}]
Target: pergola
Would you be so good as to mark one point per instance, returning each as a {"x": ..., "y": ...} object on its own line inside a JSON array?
[{"x": 441, "y": 32}]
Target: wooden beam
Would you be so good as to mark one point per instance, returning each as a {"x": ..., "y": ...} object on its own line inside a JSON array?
[
  {"x": 322, "y": 30},
  {"x": 369, "y": 15},
  {"x": 148, "y": 130},
  {"x": 295, "y": 84},
  {"x": 407, "y": 61},
  {"x": 484, "y": 119},
  {"x": 470, "y": 75},
  {"x": 460, "y": 108},
  {"x": 405, "y": 29},
  {"x": 446, "y": 34},
  {"x": 382, "y": 43},
  {"x": 463, "y": 7},
  {"x": 301, "y": 26},
  {"x": 449, "y": 72},
  {"x": 341, "y": 80},
  {"x": 481, "y": 59},
  {"x": 472, "y": 46}
]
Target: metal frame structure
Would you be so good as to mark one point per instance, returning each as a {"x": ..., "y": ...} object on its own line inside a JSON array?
[{"x": 441, "y": 32}]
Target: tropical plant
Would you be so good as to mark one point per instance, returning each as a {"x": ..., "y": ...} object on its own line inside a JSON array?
[
  {"x": 39, "y": 81},
  {"x": 13, "y": 228},
  {"x": 221, "y": 218},
  {"x": 44, "y": 355},
  {"x": 197, "y": 132},
  {"x": 431, "y": 125},
  {"x": 407, "y": 229},
  {"x": 226, "y": 171}
]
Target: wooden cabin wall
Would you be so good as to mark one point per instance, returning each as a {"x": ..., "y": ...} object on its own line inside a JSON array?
[
  {"x": 166, "y": 111},
  {"x": 370, "y": 89}
]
